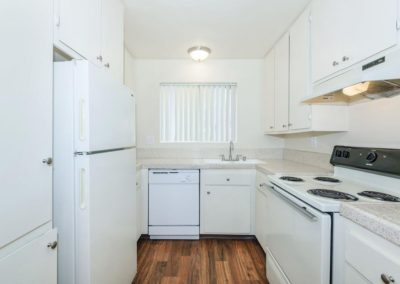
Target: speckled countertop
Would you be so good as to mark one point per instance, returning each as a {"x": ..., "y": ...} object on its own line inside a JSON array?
[
  {"x": 380, "y": 218},
  {"x": 264, "y": 166}
]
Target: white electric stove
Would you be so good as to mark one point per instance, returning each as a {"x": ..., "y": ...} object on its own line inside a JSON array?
[{"x": 304, "y": 236}]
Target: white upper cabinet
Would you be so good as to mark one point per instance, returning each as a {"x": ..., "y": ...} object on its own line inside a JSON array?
[
  {"x": 26, "y": 118},
  {"x": 289, "y": 83},
  {"x": 112, "y": 37},
  {"x": 92, "y": 29},
  {"x": 78, "y": 26},
  {"x": 300, "y": 83},
  {"x": 282, "y": 84},
  {"x": 345, "y": 32},
  {"x": 270, "y": 90}
]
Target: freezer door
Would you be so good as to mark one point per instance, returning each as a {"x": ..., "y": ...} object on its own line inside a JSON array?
[
  {"x": 105, "y": 217},
  {"x": 104, "y": 110}
]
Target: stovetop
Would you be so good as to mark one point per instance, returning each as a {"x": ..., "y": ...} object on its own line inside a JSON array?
[{"x": 327, "y": 192}]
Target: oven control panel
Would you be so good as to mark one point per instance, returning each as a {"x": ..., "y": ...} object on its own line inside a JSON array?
[{"x": 373, "y": 159}]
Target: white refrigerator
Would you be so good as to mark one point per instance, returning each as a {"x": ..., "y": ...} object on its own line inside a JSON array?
[{"x": 94, "y": 175}]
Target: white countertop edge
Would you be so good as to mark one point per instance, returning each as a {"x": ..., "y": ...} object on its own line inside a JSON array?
[{"x": 372, "y": 222}]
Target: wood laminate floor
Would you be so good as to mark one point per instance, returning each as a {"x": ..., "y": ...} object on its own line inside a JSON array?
[{"x": 207, "y": 261}]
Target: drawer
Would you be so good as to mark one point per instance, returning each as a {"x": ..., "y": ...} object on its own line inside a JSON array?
[
  {"x": 371, "y": 255},
  {"x": 227, "y": 177}
]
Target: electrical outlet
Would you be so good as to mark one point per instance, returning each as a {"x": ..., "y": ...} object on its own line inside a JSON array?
[{"x": 314, "y": 142}]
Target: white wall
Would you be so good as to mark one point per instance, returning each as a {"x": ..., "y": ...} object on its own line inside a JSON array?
[
  {"x": 147, "y": 74},
  {"x": 372, "y": 124}
]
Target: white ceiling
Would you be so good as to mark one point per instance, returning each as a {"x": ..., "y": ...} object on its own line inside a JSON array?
[{"x": 165, "y": 29}]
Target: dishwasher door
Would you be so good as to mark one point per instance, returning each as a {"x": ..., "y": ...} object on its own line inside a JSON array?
[{"x": 174, "y": 204}]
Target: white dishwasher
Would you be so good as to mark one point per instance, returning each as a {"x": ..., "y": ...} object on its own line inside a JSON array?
[{"x": 174, "y": 204}]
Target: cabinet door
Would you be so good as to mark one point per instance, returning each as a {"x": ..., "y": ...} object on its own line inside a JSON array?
[
  {"x": 79, "y": 26},
  {"x": 372, "y": 30},
  {"x": 26, "y": 117},
  {"x": 112, "y": 37},
  {"x": 226, "y": 210},
  {"x": 327, "y": 30},
  {"x": 269, "y": 107},
  {"x": 33, "y": 263},
  {"x": 300, "y": 83},
  {"x": 282, "y": 84}
]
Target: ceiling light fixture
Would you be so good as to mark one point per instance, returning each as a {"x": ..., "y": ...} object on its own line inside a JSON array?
[{"x": 199, "y": 53}]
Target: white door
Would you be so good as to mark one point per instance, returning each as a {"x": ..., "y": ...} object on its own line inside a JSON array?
[
  {"x": 327, "y": 33},
  {"x": 104, "y": 110},
  {"x": 112, "y": 37},
  {"x": 105, "y": 217},
  {"x": 34, "y": 263},
  {"x": 282, "y": 84},
  {"x": 226, "y": 210},
  {"x": 300, "y": 82},
  {"x": 269, "y": 107},
  {"x": 26, "y": 117},
  {"x": 373, "y": 30},
  {"x": 79, "y": 27}
]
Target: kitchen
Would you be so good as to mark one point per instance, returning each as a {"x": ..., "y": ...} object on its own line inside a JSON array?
[{"x": 200, "y": 142}]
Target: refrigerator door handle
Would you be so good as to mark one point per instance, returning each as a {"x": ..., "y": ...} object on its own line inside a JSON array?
[
  {"x": 82, "y": 119},
  {"x": 82, "y": 189}
]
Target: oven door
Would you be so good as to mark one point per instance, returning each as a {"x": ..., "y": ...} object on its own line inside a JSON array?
[{"x": 298, "y": 237}]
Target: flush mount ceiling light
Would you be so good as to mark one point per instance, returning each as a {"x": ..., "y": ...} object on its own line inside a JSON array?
[{"x": 199, "y": 53}]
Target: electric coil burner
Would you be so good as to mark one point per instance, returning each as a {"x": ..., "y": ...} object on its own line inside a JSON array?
[
  {"x": 333, "y": 194},
  {"x": 289, "y": 178},
  {"x": 327, "y": 179},
  {"x": 379, "y": 196}
]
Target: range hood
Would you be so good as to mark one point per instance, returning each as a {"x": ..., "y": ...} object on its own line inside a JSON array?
[{"x": 372, "y": 79}]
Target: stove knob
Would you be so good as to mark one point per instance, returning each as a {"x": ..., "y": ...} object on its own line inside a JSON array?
[{"x": 371, "y": 157}]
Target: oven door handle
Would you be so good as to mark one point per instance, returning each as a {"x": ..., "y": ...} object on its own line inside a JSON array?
[{"x": 302, "y": 209}]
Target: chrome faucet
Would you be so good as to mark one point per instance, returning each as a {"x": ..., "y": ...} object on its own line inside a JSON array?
[
  {"x": 231, "y": 148},
  {"x": 230, "y": 157}
]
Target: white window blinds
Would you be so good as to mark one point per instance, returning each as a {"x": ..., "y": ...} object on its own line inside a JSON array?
[{"x": 198, "y": 113}]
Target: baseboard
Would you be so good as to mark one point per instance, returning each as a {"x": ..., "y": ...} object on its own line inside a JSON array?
[
  {"x": 226, "y": 237},
  {"x": 144, "y": 237}
]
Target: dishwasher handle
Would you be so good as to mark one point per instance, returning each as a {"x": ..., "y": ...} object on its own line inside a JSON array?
[{"x": 302, "y": 209}]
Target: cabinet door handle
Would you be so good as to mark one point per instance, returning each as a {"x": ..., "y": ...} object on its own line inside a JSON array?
[
  {"x": 208, "y": 192},
  {"x": 107, "y": 65},
  {"x": 228, "y": 179},
  {"x": 345, "y": 58},
  {"x": 284, "y": 125},
  {"x": 335, "y": 63},
  {"x": 52, "y": 245},
  {"x": 387, "y": 279},
  {"x": 47, "y": 161},
  {"x": 100, "y": 58},
  {"x": 271, "y": 127}
]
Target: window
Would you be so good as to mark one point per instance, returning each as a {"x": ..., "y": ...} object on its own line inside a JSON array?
[{"x": 204, "y": 113}]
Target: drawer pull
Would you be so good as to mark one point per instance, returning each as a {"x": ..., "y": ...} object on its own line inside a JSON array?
[
  {"x": 208, "y": 192},
  {"x": 387, "y": 279},
  {"x": 228, "y": 179}
]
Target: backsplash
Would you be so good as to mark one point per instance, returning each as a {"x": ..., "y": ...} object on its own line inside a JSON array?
[
  {"x": 207, "y": 153},
  {"x": 320, "y": 160}
]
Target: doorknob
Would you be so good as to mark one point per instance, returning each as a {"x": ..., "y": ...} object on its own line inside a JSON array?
[{"x": 48, "y": 161}]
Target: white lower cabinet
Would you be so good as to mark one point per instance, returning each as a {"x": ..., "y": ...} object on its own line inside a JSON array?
[
  {"x": 226, "y": 198},
  {"x": 34, "y": 263},
  {"x": 368, "y": 257}
]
